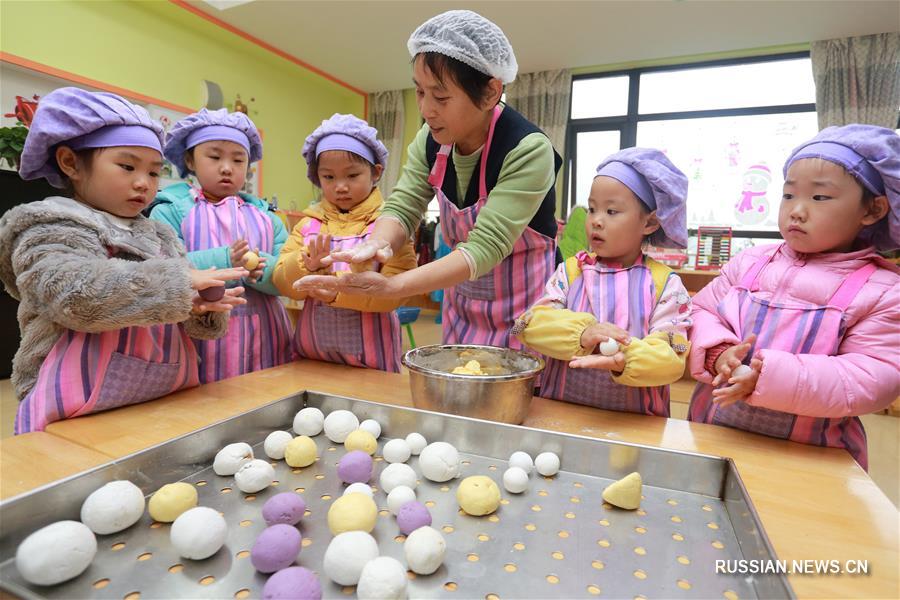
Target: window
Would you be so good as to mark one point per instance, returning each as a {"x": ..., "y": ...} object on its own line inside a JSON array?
[{"x": 728, "y": 125}]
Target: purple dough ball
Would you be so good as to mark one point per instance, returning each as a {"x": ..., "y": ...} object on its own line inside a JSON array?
[
  {"x": 355, "y": 467},
  {"x": 286, "y": 507},
  {"x": 276, "y": 547},
  {"x": 293, "y": 583},
  {"x": 412, "y": 515},
  {"x": 213, "y": 294}
]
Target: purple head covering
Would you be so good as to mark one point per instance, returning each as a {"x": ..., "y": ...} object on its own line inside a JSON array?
[
  {"x": 659, "y": 185},
  {"x": 343, "y": 132},
  {"x": 80, "y": 119},
  {"x": 872, "y": 155},
  {"x": 208, "y": 126}
]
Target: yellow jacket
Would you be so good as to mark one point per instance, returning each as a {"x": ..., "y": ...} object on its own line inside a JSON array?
[{"x": 290, "y": 266}]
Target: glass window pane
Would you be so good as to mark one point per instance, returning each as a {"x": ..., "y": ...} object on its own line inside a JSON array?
[
  {"x": 733, "y": 164},
  {"x": 733, "y": 86},
  {"x": 600, "y": 97},
  {"x": 591, "y": 148}
]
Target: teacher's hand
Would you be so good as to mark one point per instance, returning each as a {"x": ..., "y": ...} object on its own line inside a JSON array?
[
  {"x": 376, "y": 248},
  {"x": 368, "y": 283}
]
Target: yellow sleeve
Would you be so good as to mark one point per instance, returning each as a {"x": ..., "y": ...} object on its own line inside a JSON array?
[
  {"x": 403, "y": 260},
  {"x": 555, "y": 332},
  {"x": 652, "y": 361},
  {"x": 290, "y": 266}
]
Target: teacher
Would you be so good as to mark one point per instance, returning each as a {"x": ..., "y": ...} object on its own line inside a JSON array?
[{"x": 493, "y": 173}]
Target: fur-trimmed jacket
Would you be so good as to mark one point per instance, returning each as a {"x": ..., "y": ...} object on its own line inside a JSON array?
[{"x": 72, "y": 267}]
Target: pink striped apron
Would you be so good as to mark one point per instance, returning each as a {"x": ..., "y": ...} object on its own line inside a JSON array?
[
  {"x": 483, "y": 311},
  {"x": 343, "y": 335},
  {"x": 798, "y": 328},
  {"x": 258, "y": 332},
  {"x": 623, "y": 297}
]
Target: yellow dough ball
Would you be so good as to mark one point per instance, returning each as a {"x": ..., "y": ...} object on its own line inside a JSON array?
[
  {"x": 473, "y": 367},
  {"x": 361, "y": 440},
  {"x": 478, "y": 495},
  {"x": 251, "y": 261},
  {"x": 300, "y": 451},
  {"x": 625, "y": 493},
  {"x": 172, "y": 499},
  {"x": 352, "y": 512},
  {"x": 362, "y": 267}
]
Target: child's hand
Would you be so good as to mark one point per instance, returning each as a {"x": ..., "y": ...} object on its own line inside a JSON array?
[
  {"x": 257, "y": 273},
  {"x": 233, "y": 297},
  {"x": 212, "y": 277},
  {"x": 741, "y": 386},
  {"x": 614, "y": 363},
  {"x": 600, "y": 332},
  {"x": 729, "y": 360},
  {"x": 318, "y": 253},
  {"x": 377, "y": 249},
  {"x": 238, "y": 250}
]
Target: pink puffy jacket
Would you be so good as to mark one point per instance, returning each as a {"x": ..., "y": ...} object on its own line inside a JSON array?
[{"x": 864, "y": 376}]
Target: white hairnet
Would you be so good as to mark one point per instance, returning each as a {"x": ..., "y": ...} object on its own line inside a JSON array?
[{"x": 469, "y": 38}]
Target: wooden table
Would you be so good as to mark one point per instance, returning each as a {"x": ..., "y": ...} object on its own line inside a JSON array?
[{"x": 815, "y": 503}]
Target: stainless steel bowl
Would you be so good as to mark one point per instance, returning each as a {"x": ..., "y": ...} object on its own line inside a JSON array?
[{"x": 503, "y": 397}]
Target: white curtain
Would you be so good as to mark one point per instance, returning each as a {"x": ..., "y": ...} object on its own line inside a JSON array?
[
  {"x": 386, "y": 115},
  {"x": 857, "y": 80},
  {"x": 543, "y": 98}
]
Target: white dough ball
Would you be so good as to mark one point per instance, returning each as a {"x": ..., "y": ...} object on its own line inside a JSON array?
[
  {"x": 396, "y": 451},
  {"x": 56, "y": 553},
  {"x": 113, "y": 507},
  {"x": 339, "y": 424},
  {"x": 255, "y": 476},
  {"x": 231, "y": 458},
  {"x": 372, "y": 426},
  {"x": 359, "y": 488},
  {"x": 515, "y": 480},
  {"x": 309, "y": 421},
  {"x": 522, "y": 460},
  {"x": 346, "y": 556},
  {"x": 439, "y": 462},
  {"x": 399, "y": 496},
  {"x": 547, "y": 464},
  {"x": 198, "y": 533},
  {"x": 416, "y": 443},
  {"x": 397, "y": 474},
  {"x": 609, "y": 348},
  {"x": 740, "y": 371},
  {"x": 382, "y": 579},
  {"x": 275, "y": 444},
  {"x": 424, "y": 549}
]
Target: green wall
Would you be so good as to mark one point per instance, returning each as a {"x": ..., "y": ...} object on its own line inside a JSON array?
[{"x": 164, "y": 51}]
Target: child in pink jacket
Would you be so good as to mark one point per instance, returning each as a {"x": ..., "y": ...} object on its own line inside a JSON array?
[{"x": 796, "y": 340}]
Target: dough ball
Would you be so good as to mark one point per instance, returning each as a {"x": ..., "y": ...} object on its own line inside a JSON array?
[
  {"x": 255, "y": 476},
  {"x": 396, "y": 451},
  {"x": 56, "y": 553},
  {"x": 411, "y": 516},
  {"x": 355, "y": 467},
  {"x": 231, "y": 458},
  {"x": 397, "y": 474},
  {"x": 359, "y": 488},
  {"x": 346, "y": 556},
  {"x": 113, "y": 507},
  {"x": 286, "y": 508},
  {"x": 275, "y": 548},
  {"x": 198, "y": 533},
  {"x": 339, "y": 424},
  {"x": 309, "y": 421},
  {"x": 212, "y": 294},
  {"x": 478, "y": 495},
  {"x": 522, "y": 460},
  {"x": 361, "y": 439},
  {"x": 439, "y": 462},
  {"x": 275, "y": 444},
  {"x": 609, "y": 348},
  {"x": 625, "y": 493},
  {"x": 399, "y": 496},
  {"x": 416, "y": 443},
  {"x": 251, "y": 261},
  {"x": 424, "y": 549},
  {"x": 547, "y": 464},
  {"x": 353, "y": 512},
  {"x": 741, "y": 370},
  {"x": 515, "y": 480},
  {"x": 372, "y": 426},
  {"x": 172, "y": 499},
  {"x": 293, "y": 583},
  {"x": 300, "y": 451},
  {"x": 382, "y": 579},
  {"x": 363, "y": 266}
]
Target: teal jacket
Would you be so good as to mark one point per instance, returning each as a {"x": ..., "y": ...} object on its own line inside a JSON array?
[{"x": 172, "y": 206}]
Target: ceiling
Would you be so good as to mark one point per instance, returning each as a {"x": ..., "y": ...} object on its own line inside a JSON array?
[{"x": 363, "y": 43}]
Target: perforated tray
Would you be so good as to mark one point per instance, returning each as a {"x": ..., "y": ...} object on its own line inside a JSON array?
[{"x": 557, "y": 540}]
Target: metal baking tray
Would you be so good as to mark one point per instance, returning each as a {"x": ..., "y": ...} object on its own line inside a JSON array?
[{"x": 556, "y": 540}]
